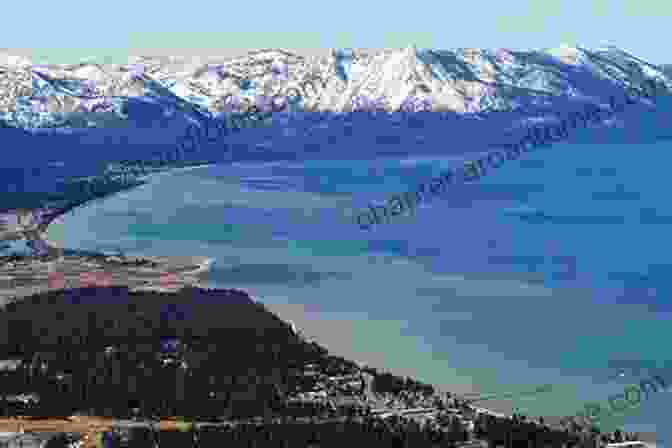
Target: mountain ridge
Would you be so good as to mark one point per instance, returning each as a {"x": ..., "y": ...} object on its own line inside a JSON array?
[{"x": 462, "y": 80}]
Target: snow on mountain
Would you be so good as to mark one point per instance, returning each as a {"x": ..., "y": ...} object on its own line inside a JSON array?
[{"x": 463, "y": 80}]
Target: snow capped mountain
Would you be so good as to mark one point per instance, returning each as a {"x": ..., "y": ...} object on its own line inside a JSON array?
[{"x": 463, "y": 80}]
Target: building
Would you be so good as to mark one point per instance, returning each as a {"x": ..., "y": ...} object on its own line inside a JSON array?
[{"x": 40, "y": 440}]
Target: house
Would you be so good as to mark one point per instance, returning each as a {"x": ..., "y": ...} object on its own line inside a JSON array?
[
  {"x": 135, "y": 433},
  {"x": 22, "y": 398},
  {"x": 10, "y": 365},
  {"x": 40, "y": 440},
  {"x": 628, "y": 445}
]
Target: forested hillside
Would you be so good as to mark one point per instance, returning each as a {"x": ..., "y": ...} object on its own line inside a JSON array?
[{"x": 108, "y": 349}]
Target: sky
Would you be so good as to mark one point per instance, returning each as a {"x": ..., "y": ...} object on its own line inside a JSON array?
[{"x": 104, "y": 31}]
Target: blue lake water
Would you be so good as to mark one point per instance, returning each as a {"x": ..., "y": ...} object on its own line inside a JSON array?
[{"x": 539, "y": 273}]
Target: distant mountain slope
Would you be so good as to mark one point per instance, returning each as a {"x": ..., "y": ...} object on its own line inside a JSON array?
[
  {"x": 462, "y": 80},
  {"x": 667, "y": 69}
]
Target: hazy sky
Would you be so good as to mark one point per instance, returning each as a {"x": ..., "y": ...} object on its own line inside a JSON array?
[{"x": 68, "y": 32}]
